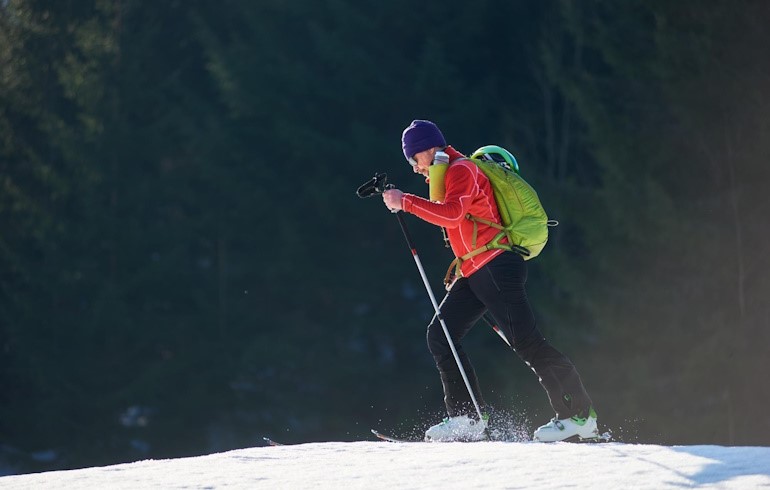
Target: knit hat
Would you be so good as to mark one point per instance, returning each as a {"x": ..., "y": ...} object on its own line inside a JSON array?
[{"x": 420, "y": 136}]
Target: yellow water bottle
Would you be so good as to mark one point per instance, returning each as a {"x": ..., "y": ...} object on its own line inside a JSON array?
[{"x": 436, "y": 173}]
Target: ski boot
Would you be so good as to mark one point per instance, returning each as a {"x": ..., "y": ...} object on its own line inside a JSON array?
[
  {"x": 460, "y": 428},
  {"x": 574, "y": 428}
]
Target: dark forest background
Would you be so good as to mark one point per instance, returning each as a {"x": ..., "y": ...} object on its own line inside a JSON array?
[{"x": 185, "y": 267}]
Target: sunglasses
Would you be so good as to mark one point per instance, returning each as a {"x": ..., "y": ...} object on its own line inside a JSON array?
[{"x": 412, "y": 161}]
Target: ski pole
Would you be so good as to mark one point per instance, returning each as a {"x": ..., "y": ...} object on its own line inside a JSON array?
[
  {"x": 491, "y": 322},
  {"x": 376, "y": 186},
  {"x": 400, "y": 216}
]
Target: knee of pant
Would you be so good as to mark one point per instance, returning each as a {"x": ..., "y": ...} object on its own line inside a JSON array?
[
  {"x": 437, "y": 343},
  {"x": 447, "y": 367}
]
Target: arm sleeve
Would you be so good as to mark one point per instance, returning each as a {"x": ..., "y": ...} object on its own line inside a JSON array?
[{"x": 461, "y": 188}]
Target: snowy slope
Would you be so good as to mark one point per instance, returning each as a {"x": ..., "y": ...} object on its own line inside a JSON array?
[{"x": 373, "y": 465}]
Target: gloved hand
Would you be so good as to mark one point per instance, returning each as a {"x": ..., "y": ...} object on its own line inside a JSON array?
[{"x": 392, "y": 199}]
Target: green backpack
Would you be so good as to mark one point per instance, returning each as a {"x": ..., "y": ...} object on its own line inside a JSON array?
[{"x": 525, "y": 222}]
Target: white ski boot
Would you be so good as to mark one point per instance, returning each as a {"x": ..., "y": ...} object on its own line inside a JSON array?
[
  {"x": 461, "y": 428},
  {"x": 582, "y": 428}
]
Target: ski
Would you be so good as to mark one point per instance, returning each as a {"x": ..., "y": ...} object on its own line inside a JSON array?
[
  {"x": 606, "y": 437},
  {"x": 601, "y": 438},
  {"x": 271, "y": 442},
  {"x": 387, "y": 438}
]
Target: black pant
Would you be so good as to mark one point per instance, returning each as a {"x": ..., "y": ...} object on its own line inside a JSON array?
[{"x": 499, "y": 288}]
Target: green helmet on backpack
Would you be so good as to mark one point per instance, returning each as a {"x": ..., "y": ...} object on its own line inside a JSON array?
[{"x": 499, "y": 155}]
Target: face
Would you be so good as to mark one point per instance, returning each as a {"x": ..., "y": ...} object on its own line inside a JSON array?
[{"x": 423, "y": 159}]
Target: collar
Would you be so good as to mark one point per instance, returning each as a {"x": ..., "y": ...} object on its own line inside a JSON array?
[{"x": 453, "y": 154}]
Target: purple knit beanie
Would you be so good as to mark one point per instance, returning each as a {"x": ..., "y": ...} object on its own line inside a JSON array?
[{"x": 420, "y": 136}]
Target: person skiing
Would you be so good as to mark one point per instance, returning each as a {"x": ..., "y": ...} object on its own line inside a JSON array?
[{"x": 492, "y": 281}]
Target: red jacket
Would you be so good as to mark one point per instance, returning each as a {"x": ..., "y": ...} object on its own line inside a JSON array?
[{"x": 467, "y": 191}]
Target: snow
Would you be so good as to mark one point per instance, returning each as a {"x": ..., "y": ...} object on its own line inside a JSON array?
[{"x": 373, "y": 465}]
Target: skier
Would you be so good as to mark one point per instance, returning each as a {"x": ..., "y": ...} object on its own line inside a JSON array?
[{"x": 491, "y": 281}]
